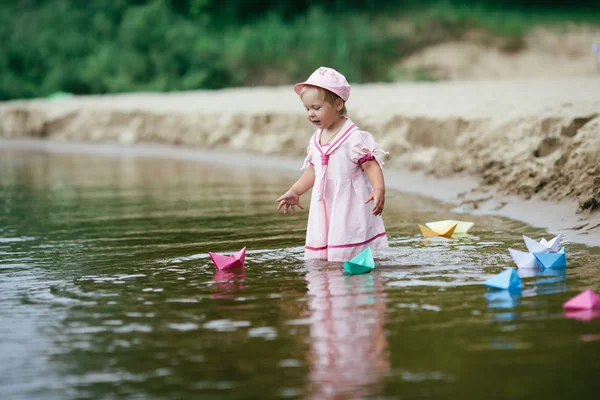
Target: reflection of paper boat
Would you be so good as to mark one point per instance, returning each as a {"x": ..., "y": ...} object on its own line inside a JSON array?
[
  {"x": 523, "y": 259},
  {"x": 552, "y": 260},
  {"x": 582, "y": 315},
  {"x": 461, "y": 226},
  {"x": 543, "y": 246},
  {"x": 560, "y": 272},
  {"x": 362, "y": 263},
  {"x": 227, "y": 262},
  {"x": 446, "y": 231},
  {"x": 531, "y": 272},
  {"x": 229, "y": 275},
  {"x": 586, "y": 300},
  {"x": 507, "y": 279},
  {"x": 227, "y": 282},
  {"x": 503, "y": 298}
]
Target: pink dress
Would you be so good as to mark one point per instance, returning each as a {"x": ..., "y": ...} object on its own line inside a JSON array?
[{"x": 340, "y": 224}]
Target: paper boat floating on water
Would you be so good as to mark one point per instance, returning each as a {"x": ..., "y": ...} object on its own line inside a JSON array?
[
  {"x": 552, "y": 260},
  {"x": 543, "y": 246},
  {"x": 446, "y": 231},
  {"x": 507, "y": 279},
  {"x": 461, "y": 226},
  {"x": 586, "y": 300},
  {"x": 529, "y": 260},
  {"x": 227, "y": 262},
  {"x": 362, "y": 263},
  {"x": 524, "y": 259}
]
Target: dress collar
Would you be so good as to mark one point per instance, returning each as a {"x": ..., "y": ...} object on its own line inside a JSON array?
[{"x": 339, "y": 136}]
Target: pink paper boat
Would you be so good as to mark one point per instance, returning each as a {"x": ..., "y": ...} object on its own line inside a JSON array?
[
  {"x": 227, "y": 262},
  {"x": 586, "y": 300}
]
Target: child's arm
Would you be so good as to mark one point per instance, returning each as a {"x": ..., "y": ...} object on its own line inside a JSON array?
[
  {"x": 291, "y": 198},
  {"x": 375, "y": 175}
]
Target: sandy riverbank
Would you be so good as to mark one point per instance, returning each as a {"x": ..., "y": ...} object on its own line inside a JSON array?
[
  {"x": 529, "y": 149},
  {"x": 544, "y": 52}
]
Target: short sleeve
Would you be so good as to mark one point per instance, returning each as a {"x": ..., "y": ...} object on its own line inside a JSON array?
[
  {"x": 365, "y": 148},
  {"x": 308, "y": 160}
]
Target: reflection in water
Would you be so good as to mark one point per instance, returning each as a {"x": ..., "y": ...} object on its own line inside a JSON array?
[
  {"x": 530, "y": 272},
  {"x": 348, "y": 344},
  {"x": 229, "y": 283},
  {"x": 589, "y": 338},
  {"x": 457, "y": 238},
  {"x": 503, "y": 300},
  {"x": 549, "y": 280},
  {"x": 582, "y": 315},
  {"x": 106, "y": 292},
  {"x": 434, "y": 241}
]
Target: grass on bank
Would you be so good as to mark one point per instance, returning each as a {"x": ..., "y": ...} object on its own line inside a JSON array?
[{"x": 151, "y": 48}]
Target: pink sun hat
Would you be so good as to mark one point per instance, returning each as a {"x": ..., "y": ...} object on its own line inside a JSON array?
[{"x": 327, "y": 78}]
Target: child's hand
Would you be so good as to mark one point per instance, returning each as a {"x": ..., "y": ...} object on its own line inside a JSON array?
[
  {"x": 289, "y": 200},
  {"x": 378, "y": 197}
]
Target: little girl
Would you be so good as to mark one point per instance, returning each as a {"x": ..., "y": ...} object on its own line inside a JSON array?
[{"x": 345, "y": 170}]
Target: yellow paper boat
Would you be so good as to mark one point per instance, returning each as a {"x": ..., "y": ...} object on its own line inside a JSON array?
[
  {"x": 461, "y": 227},
  {"x": 447, "y": 231}
]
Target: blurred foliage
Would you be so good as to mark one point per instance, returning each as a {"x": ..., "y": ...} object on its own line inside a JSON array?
[{"x": 98, "y": 46}]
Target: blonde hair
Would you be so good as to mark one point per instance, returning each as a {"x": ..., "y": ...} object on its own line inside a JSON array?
[{"x": 328, "y": 96}]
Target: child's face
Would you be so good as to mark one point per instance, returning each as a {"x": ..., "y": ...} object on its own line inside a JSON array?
[{"x": 320, "y": 112}]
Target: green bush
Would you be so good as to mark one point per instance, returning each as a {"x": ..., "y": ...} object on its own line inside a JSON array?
[{"x": 98, "y": 46}]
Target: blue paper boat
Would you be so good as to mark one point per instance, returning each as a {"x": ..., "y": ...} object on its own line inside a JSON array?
[
  {"x": 552, "y": 260},
  {"x": 362, "y": 263},
  {"x": 507, "y": 279}
]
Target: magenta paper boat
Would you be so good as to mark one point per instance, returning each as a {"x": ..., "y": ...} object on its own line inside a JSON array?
[
  {"x": 227, "y": 262},
  {"x": 586, "y": 300}
]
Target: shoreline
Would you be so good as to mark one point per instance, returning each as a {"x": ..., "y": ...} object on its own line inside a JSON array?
[
  {"x": 462, "y": 191},
  {"x": 524, "y": 149}
]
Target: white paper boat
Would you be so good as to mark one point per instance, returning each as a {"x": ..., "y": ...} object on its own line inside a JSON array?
[
  {"x": 543, "y": 246},
  {"x": 523, "y": 259},
  {"x": 553, "y": 245}
]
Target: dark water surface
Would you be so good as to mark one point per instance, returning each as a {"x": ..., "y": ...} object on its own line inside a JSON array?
[{"x": 106, "y": 291}]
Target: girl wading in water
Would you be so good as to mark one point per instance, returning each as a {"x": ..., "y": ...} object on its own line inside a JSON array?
[{"x": 345, "y": 171}]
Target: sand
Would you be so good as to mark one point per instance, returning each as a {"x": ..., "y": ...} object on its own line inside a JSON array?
[{"x": 546, "y": 52}]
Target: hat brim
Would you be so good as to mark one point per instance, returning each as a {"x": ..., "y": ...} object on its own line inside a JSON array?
[{"x": 298, "y": 87}]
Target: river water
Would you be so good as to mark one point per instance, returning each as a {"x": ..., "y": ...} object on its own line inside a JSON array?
[{"x": 107, "y": 291}]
